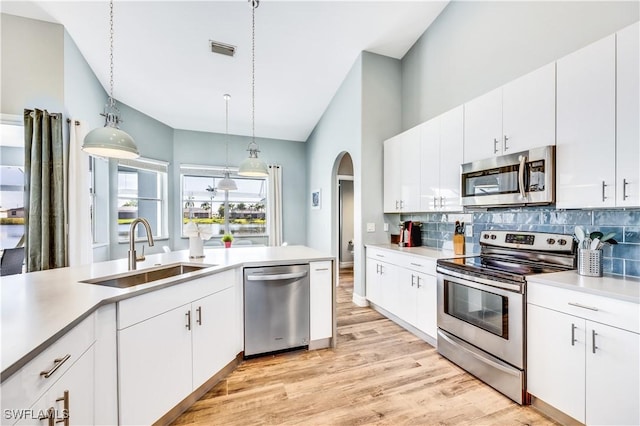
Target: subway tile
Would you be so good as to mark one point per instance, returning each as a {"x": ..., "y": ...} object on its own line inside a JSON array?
[
  {"x": 626, "y": 251},
  {"x": 567, "y": 217},
  {"x": 529, "y": 218},
  {"x": 632, "y": 268},
  {"x": 616, "y": 217},
  {"x": 631, "y": 234}
]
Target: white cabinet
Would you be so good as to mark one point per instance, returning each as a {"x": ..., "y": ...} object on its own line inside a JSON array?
[
  {"x": 36, "y": 380},
  {"x": 402, "y": 172},
  {"x": 515, "y": 117},
  {"x": 628, "y": 117},
  {"x": 321, "y": 300},
  {"x": 213, "y": 334},
  {"x": 70, "y": 398},
  {"x": 403, "y": 285},
  {"x": 583, "y": 355},
  {"x": 586, "y": 149},
  {"x": 173, "y": 340},
  {"x": 441, "y": 146}
]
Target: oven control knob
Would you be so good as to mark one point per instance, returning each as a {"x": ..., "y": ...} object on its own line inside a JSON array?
[
  {"x": 562, "y": 242},
  {"x": 486, "y": 236},
  {"x": 493, "y": 237},
  {"x": 551, "y": 241}
]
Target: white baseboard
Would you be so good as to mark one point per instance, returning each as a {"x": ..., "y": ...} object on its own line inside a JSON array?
[
  {"x": 345, "y": 264},
  {"x": 360, "y": 300}
]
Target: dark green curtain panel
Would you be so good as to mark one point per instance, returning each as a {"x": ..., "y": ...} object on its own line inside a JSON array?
[{"x": 44, "y": 191}]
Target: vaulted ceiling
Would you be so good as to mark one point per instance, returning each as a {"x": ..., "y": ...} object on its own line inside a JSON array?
[{"x": 165, "y": 69}]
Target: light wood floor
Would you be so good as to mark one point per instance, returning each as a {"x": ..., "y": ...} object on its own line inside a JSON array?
[{"x": 378, "y": 374}]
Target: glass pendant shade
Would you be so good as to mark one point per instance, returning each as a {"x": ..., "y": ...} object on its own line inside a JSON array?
[
  {"x": 227, "y": 184},
  {"x": 109, "y": 141},
  {"x": 253, "y": 166}
]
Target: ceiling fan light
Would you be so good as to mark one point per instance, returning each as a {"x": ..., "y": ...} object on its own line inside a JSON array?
[{"x": 110, "y": 142}]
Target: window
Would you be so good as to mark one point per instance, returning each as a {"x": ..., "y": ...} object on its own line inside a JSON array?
[
  {"x": 205, "y": 205},
  {"x": 142, "y": 192},
  {"x": 11, "y": 181}
]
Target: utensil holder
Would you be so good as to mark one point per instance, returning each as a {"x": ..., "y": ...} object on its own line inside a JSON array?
[
  {"x": 458, "y": 244},
  {"x": 590, "y": 262}
]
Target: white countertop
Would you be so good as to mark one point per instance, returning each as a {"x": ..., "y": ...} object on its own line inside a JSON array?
[
  {"x": 39, "y": 307},
  {"x": 429, "y": 252},
  {"x": 613, "y": 286}
]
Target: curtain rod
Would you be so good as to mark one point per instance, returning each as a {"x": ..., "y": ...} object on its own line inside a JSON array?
[{"x": 76, "y": 122}]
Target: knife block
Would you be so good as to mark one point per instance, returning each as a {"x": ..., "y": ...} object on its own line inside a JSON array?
[{"x": 458, "y": 244}]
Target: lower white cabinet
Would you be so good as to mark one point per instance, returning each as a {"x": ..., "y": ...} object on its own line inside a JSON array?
[
  {"x": 582, "y": 367},
  {"x": 403, "y": 285},
  {"x": 321, "y": 300},
  {"x": 165, "y": 357},
  {"x": 70, "y": 400}
]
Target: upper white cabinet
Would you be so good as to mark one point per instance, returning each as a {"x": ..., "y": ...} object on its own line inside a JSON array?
[
  {"x": 515, "y": 117},
  {"x": 586, "y": 148},
  {"x": 441, "y": 145},
  {"x": 402, "y": 172},
  {"x": 628, "y": 117}
]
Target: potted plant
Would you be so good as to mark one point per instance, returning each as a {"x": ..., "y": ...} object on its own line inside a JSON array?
[{"x": 226, "y": 239}]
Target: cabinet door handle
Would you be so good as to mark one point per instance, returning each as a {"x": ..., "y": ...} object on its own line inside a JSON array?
[
  {"x": 418, "y": 283},
  {"x": 495, "y": 145},
  {"x": 413, "y": 279},
  {"x": 66, "y": 416},
  {"x": 401, "y": 204},
  {"x": 188, "y": 324},
  {"x": 50, "y": 416},
  {"x": 56, "y": 364},
  {"x": 441, "y": 202},
  {"x": 624, "y": 189},
  {"x": 434, "y": 203},
  {"x": 593, "y": 341},
  {"x": 579, "y": 305},
  {"x": 604, "y": 185},
  {"x": 573, "y": 334},
  {"x": 199, "y": 311},
  {"x": 396, "y": 204},
  {"x": 504, "y": 144}
]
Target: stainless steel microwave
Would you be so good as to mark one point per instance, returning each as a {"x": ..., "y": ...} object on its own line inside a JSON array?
[{"x": 522, "y": 178}]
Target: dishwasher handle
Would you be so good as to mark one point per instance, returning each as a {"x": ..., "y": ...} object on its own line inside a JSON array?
[{"x": 276, "y": 277}]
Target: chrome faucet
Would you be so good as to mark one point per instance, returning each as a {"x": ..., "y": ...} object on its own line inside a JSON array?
[{"x": 132, "y": 240}]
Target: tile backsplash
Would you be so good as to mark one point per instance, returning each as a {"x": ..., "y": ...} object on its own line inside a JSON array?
[{"x": 621, "y": 259}]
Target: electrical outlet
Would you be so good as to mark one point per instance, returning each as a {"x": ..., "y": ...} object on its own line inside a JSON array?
[
  {"x": 371, "y": 227},
  {"x": 468, "y": 231},
  {"x": 386, "y": 227}
]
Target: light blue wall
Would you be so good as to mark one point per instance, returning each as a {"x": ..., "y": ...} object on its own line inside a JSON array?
[
  {"x": 202, "y": 148},
  {"x": 12, "y": 156},
  {"x": 362, "y": 114},
  {"x": 476, "y": 46}
]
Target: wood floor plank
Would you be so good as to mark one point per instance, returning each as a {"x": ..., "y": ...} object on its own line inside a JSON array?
[{"x": 378, "y": 374}]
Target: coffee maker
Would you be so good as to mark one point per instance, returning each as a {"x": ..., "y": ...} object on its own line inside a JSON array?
[{"x": 410, "y": 234}]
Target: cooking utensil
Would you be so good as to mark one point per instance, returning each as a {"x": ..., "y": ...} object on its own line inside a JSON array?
[
  {"x": 595, "y": 234},
  {"x": 595, "y": 244},
  {"x": 579, "y": 234}
]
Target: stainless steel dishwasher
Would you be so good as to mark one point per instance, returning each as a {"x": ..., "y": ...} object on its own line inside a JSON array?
[{"x": 276, "y": 308}]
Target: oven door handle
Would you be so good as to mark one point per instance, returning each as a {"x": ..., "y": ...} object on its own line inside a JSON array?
[
  {"x": 464, "y": 346},
  {"x": 483, "y": 284}
]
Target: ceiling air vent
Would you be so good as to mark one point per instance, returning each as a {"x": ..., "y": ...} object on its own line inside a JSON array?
[{"x": 222, "y": 48}]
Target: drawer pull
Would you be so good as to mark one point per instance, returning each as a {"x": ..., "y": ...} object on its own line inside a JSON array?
[
  {"x": 379, "y": 255},
  {"x": 573, "y": 334},
  {"x": 322, "y": 269},
  {"x": 578, "y": 305},
  {"x": 416, "y": 264},
  {"x": 56, "y": 364}
]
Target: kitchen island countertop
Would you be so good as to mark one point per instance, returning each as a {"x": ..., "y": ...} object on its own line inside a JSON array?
[{"x": 40, "y": 307}]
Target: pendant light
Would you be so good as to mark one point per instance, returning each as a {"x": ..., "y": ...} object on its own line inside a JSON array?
[
  {"x": 253, "y": 166},
  {"x": 227, "y": 184},
  {"x": 110, "y": 141}
]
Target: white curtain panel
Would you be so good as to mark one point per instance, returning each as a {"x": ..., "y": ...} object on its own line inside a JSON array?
[
  {"x": 80, "y": 240},
  {"x": 274, "y": 205}
]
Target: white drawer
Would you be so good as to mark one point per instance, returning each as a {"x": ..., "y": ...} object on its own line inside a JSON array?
[
  {"x": 418, "y": 263},
  {"x": 26, "y": 385},
  {"x": 605, "y": 310},
  {"x": 136, "y": 309},
  {"x": 384, "y": 256}
]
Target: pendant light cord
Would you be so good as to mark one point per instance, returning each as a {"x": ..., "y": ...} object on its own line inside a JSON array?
[
  {"x": 226, "y": 127},
  {"x": 112, "y": 101},
  {"x": 254, "y": 5}
]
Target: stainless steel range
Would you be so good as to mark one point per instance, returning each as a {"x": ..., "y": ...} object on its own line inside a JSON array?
[{"x": 482, "y": 303}]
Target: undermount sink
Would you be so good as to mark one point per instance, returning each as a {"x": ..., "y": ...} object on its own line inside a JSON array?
[{"x": 144, "y": 276}]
